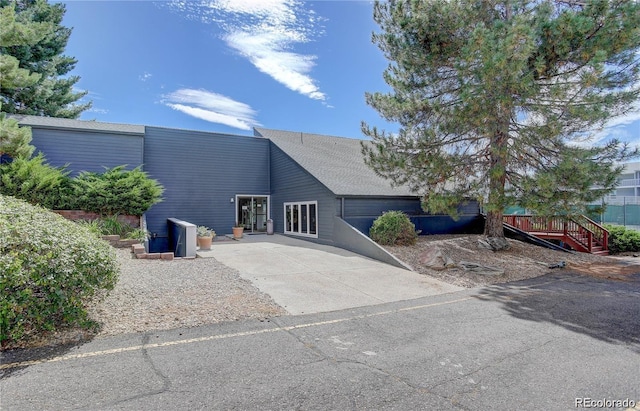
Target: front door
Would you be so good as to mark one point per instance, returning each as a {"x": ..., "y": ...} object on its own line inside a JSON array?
[{"x": 252, "y": 213}]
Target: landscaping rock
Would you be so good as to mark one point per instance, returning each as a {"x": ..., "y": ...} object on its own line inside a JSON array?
[
  {"x": 561, "y": 264},
  {"x": 494, "y": 243},
  {"x": 435, "y": 259},
  {"x": 480, "y": 269}
]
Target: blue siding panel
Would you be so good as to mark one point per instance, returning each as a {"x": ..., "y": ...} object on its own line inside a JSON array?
[
  {"x": 361, "y": 212},
  {"x": 201, "y": 172},
  {"x": 290, "y": 183},
  {"x": 374, "y": 207},
  {"x": 87, "y": 150}
]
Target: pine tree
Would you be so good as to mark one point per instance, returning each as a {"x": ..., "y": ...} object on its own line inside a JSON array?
[
  {"x": 52, "y": 95},
  {"x": 14, "y": 140},
  {"x": 498, "y": 100}
]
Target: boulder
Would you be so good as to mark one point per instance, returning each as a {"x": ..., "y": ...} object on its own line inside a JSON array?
[
  {"x": 436, "y": 259},
  {"x": 494, "y": 243}
]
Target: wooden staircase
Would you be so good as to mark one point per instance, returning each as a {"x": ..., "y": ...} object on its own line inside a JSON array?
[{"x": 581, "y": 233}]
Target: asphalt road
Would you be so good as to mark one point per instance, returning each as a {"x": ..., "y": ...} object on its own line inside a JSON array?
[{"x": 538, "y": 344}]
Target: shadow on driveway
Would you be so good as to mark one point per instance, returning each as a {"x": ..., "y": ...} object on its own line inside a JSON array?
[
  {"x": 603, "y": 308},
  {"x": 32, "y": 355}
]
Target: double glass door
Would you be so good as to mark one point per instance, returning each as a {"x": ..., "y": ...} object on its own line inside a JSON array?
[{"x": 252, "y": 213}]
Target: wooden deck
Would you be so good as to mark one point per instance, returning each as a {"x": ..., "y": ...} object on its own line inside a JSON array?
[{"x": 580, "y": 233}]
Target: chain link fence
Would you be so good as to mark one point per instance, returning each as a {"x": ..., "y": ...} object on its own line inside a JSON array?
[{"x": 620, "y": 210}]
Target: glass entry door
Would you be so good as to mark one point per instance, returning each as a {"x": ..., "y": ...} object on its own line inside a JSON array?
[{"x": 252, "y": 213}]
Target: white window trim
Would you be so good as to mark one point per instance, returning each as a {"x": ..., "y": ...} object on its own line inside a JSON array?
[{"x": 299, "y": 233}]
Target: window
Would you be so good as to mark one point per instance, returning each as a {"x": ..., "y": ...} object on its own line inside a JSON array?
[{"x": 301, "y": 218}]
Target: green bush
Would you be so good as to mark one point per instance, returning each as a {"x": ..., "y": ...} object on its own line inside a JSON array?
[
  {"x": 111, "y": 225},
  {"x": 117, "y": 191},
  {"x": 37, "y": 183},
  {"x": 622, "y": 239},
  {"x": 50, "y": 269},
  {"x": 393, "y": 228}
]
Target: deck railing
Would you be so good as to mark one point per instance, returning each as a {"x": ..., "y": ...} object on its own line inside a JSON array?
[{"x": 581, "y": 229}]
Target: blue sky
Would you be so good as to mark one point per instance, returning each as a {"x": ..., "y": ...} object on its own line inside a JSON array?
[{"x": 230, "y": 65}]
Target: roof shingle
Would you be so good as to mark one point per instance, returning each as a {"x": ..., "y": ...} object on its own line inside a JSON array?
[
  {"x": 336, "y": 162},
  {"x": 71, "y": 124}
]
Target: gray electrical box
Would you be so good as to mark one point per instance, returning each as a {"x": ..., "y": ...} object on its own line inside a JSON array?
[{"x": 182, "y": 237}]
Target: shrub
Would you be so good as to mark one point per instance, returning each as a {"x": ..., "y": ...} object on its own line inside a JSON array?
[
  {"x": 393, "y": 228},
  {"x": 37, "y": 182},
  {"x": 117, "y": 191},
  {"x": 622, "y": 239},
  {"x": 111, "y": 225},
  {"x": 50, "y": 269}
]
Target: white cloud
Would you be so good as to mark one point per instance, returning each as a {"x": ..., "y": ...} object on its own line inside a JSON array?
[
  {"x": 265, "y": 33},
  {"x": 97, "y": 110},
  {"x": 288, "y": 68},
  {"x": 619, "y": 127},
  {"x": 145, "y": 76},
  {"x": 212, "y": 107}
]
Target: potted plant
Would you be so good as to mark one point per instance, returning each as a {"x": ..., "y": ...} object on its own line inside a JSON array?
[
  {"x": 205, "y": 237},
  {"x": 237, "y": 230}
]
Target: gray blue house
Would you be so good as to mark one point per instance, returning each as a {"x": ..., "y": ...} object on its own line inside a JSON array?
[{"x": 312, "y": 186}]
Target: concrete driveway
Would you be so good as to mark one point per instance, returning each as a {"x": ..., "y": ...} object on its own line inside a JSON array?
[{"x": 304, "y": 277}]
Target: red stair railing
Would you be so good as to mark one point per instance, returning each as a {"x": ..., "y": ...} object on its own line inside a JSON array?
[{"x": 582, "y": 230}]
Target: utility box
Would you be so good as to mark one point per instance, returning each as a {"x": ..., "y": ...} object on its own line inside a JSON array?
[{"x": 182, "y": 237}]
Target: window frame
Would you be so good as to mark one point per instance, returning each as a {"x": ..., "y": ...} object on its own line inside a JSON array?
[{"x": 295, "y": 208}]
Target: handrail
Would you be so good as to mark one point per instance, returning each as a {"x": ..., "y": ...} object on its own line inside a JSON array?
[
  {"x": 601, "y": 234},
  {"x": 580, "y": 229}
]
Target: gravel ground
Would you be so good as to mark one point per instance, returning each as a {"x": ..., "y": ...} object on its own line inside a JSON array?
[
  {"x": 155, "y": 295},
  {"x": 520, "y": 262}
]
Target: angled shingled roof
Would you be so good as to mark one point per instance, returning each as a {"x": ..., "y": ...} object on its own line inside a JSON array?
[
  {"x": 336, "y": 162},
  {"x": 70, "y": 124}
]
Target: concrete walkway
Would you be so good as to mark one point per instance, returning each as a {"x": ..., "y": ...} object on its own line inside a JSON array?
[{"x": 304, "y": 277}]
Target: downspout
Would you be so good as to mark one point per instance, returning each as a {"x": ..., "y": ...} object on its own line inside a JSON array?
[
  {"x": 342, "y": 207},
  {"x": 269, "y": 179}
]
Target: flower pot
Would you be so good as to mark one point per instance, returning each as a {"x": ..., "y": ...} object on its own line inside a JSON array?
[
  {"x": 237, "y": 232},
  {"x": 205, "y": 243}
]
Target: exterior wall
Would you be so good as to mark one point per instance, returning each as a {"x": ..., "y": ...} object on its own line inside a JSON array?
[
  {"x": 349, "y": 238},
  {"x": 201, "y": 172},
  {"x": 361, "y": 212},
  {"x": 290, "y": 183},
  {"x": 88, "y": 150}
]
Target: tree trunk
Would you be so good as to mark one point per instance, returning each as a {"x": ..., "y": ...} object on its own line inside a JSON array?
[
  {"x": 493, "y": 228},
  {"x": 494, "y": 232}
]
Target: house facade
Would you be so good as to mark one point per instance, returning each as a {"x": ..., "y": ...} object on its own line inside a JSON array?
[
  {"x": 311, "y": 186},
  {"x": 623, "y": 204}
]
